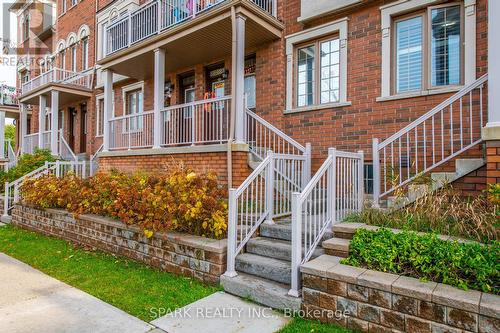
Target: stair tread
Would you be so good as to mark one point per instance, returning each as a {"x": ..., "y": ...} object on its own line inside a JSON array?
[
  {"x": 260, "y": 290},
  {"x": 335, "y": 243},
  {"x": 283, "y": 230},
  {"x": 275, "y": 248},
  {"x": 270, "y": 268},
  {"x": 262, "y": 260}
]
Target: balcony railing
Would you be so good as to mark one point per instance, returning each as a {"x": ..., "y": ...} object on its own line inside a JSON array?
[
  {"x": 8, "y": 95},
  {"x": 158, "y": 15},
  {"x": 57, "y": 75},
  {"x": 197, "y": 123}
]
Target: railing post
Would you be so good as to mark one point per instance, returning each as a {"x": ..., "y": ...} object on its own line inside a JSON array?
[
  {"x": 159, "y": 13},
  {"x": 361, "y": 180},
  {"x": 270, "y": 188},
  {"x": 129, "y": 28},
  {"x": 58, "y": 171},
  {"x": 306, "y": 172},
  {"x": 376, "y": 173},
  {"x": 296, "y": 245},
  {"x": 231, "y": 234},
  {"x": 6, "y": 200},
  {"x": 331, "y": 187},
  {"x": 193, "y": 126},
  {"x": 274, "y": 10}
]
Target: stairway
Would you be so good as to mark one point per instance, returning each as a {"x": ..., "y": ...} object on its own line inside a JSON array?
[{"x": 264, "y": 269}]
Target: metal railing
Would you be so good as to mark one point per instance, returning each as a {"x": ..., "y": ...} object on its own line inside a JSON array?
[
  {"x": 441, "y": 134},
  {"x": 30, "y": 142},
  {"x": 8, "y": 95},
  {"x": 264, "y": 195},
  {"x": 200, "y": 122},
  {"x": 158, "y": 15},
  {"x": 12, "y": 190},
  {"x": 47, "y": 135},
  {"x": 335, "y": 191},
  {"x": 94, "y": 161},
  {"x": 65, "y": 150},
  {"x": 58, "y": 75},
  {"x": 11, "y": 155},
  {"x": 132, "y": 131}
]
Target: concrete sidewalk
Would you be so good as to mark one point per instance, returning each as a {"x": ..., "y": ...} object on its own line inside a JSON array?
[{"x": 31, "y": 301}]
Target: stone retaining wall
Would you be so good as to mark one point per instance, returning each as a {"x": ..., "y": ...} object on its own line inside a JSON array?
[
  {"x": 193, "y": 256},
  {"x": 383, "y": 302}
]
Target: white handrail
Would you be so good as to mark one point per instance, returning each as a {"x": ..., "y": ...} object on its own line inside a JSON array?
[
  {"x": 64, "y": 149},
  {"x": 11, "y": 155},
  {"x": 94, "y": 161},
  {"x": 58, "y": 75},
  {"x": 434, "y": 138},
  {"x": 335, "y": 191},
  {"x": 132, "y": 131}
]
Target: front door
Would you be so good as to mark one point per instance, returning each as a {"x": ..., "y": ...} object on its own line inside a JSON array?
[
  {"x": 71, "y": 129},
  {"x": 83, "y": 128}
]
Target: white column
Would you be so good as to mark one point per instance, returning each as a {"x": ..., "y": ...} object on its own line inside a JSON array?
[
  {"x": 108, "y": 106},
  {"x": 493, "y": 64},
  {"x": 41, "y": 119},
  {"x": 239, "y": 89},
  {"x": 159, "y": 92},
  {"x": 2, "y": 134},
  {"x": 54, "y": 147},
  {"x": 23, "y": 123}
]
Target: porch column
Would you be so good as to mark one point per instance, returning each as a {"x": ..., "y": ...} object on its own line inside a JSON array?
[
  {"x": 239, "y": 81},
  {"x": 493, "y": 64},
  {"x": 108, "y": 106},
  {"x": 2, "y": 134},
  {"x": 159, "y": 92},
  {"x": 41, "y": 119},
  {"x": 23, "y": 122},
  {"x": 54, "y": 147}
]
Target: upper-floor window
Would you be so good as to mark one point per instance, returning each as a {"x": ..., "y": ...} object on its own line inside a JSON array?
[
  {"x": 73, "y": 58},
  {"x": 25, "y": 77},
  {"x": 26, "y": 27},
  {"x": 85, "y": 54},
  {"x": 100, "y": 116},
  {"x": 318, "y": 72},
  {"x": 63, "y": 6},
  {"x": 428, "y": 49},
  {"x": 74, "y": 2}
]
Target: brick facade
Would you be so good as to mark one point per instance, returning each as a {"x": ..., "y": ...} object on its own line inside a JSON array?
[
  {"x": 196, "y": 257},
  {"x": 493, "y": 162}
]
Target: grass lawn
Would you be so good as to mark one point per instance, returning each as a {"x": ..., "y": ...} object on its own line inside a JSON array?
[
  {"x": 133, "y": 287},
  {"x": 300, "y": 325}
]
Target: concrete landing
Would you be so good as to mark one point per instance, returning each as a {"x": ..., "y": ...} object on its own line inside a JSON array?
[
  {"x": 31, "y": 301},
  {"x": 221, "y": 312}
]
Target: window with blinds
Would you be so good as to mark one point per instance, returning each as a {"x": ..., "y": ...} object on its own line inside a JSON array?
[{"x": 409, "y": 54}]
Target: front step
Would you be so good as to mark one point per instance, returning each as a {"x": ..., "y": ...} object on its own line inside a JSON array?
[
  {"x": 270, "y": 268},
  {"x": 283, "y": 230},
  {"x": 275, "y": 248},
  {"x": 338, "y": 247},
  {"x": 262, "y": 291}
]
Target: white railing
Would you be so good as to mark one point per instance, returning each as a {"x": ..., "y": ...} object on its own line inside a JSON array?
[
  {"x": 11, "y": 155},
  {"x": 132, "y": 131},
  {"x": 47, "y": 135},
  {"x": 58, "y": 75},
  {"x": 158, "y": 15},
  {"x": 94, "y": 161},
  {"x": 30, "y": 142},
  {"x": 8, "y": 95},
  {"x": 335, "y": 191},
  {"x": 200, "y": 122},
  {"x": 12, "y": 193},
  {"x": 441, "y": 134},
  {"x": 264, "y": 195},
  {"x": 65, "y": 150}
]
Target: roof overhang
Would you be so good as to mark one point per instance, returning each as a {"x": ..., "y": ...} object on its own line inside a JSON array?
[{"x": 67, "y": 94}]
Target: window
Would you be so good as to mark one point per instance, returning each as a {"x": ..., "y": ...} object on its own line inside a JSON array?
[
  {"x": 318, "y": 73},
  {"x": 100, "y": 117},
  {"x": 73, "y": 58},
  {"x": 134, "y": 106},
  {"x": 63, "y": 6},
  {"x": 74, "y": 2},
  {"x": 62, "y": 59},
  {"x": 85, "y": 54},
  {"x": 25, "y": 77},
  {"x": 26, "y": 27},
  {"x": 428, "y": 51}
]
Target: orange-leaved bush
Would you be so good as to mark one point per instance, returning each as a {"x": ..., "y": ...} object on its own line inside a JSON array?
[{"x": 179, "y": 199}]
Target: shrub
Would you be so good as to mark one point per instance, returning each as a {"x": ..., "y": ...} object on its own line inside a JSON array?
[
  {"x": 464, "y": 265},
  {"x": 444, "y": 211},
  {"x": 25, "y": 164},
  {"x": 179, "y": 200}
]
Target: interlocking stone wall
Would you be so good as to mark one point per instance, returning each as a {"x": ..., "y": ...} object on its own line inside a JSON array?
[
  {"x": 201, "y": 258},
  {"x": 382, "y": 302}
]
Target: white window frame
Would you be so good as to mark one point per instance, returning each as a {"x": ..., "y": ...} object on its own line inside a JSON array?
[
  {"x": 125, "y": 90},
  {"x": 85, "y": 53},
  {"x": 339, "y": 27},
  {"x": 388, "y": 12},
  {"x": 63, "y": 6}
]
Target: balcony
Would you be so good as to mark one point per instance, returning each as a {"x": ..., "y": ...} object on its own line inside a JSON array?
[
  {"x": 198, "y": 123},
  {"x": 159, "y": 15}
]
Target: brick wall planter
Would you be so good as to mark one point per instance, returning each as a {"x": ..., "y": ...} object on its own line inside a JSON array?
[
  {"x": 383, "y": 302},
  {"x": 201, "y": 258}
]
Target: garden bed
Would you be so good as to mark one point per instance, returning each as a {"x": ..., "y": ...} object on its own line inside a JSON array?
[{"x": 201, "y": 258}]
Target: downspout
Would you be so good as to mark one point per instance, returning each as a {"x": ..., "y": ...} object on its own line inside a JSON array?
[{"x": 233, "y": 104}]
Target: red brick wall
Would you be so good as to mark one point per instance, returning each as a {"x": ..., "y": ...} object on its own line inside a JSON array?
[
  {"x": 493, "y": 162},
  {"x": 200, "y": 162}
]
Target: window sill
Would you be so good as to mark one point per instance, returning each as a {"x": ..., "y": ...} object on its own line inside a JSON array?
[
  {"x": 318, "y": 107},
  {"x": 419, "y": 93}
]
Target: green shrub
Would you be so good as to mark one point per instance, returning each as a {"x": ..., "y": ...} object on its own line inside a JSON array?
[
  {"x": 464, "y": 265},
  {"x": 25, "y": 164},
  {"x": 178, "y": 199}
]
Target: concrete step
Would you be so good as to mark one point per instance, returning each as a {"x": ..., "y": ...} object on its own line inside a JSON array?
[
  {"x": 346, "y": 230},
  {"x": 338, "y": 247},
  {"x": 270, "y": 268},
  {"x": 283, "y": 230},
  {"x": 275, "y": 248},
  {"x": 262, "y": 291}
]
